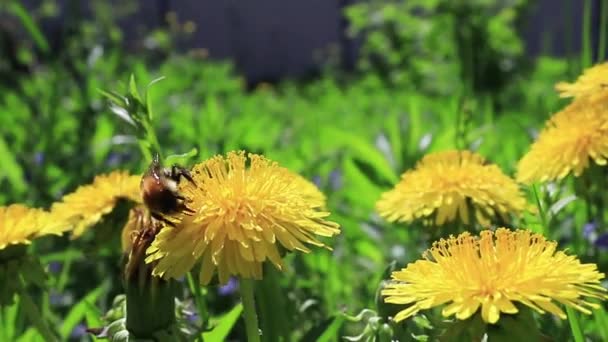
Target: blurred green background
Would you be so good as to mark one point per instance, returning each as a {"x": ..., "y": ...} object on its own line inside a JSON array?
[{"x": 423, "y": 76}]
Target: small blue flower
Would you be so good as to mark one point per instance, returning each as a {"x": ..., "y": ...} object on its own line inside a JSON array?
[
  {"x": 39, "y": 158},
  {"x": 78, "y": 331},
  {"x": 589, "y": 231},
  {"x": 602, "y": 241},
  {"x": 335, "y": 179},
  {"x": 193, "y": 318},
  {"x": 55, "y": 267},
  {"x": 229, "y": 288},
  {"x": 317, "y": 180}
]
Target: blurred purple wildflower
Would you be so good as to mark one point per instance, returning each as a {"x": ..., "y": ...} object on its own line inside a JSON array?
[
  {"x": 113, "y": 159},
  {"x": 78, "y": 331},
  {"x": 602, "y": 241},
  {"x": 589, "y": 231},
  {"x": 229, "y": 288},
  {"x": 55, "y": 267},
  {"x": 594, "y": 237},
  {"x": 317, "y": 180},
  {"x": 193, "y": 318},
  {"x": 39, "y": 158},
  {"x": 335, "y": 179}
]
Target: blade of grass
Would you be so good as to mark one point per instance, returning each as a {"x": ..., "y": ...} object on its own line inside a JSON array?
[
  {"x": 81, "y": 310},
  {"x": 30, "y": 26},
  {"x": 8, "y": 321},
  {"x": 575, "y": 325},
  {"x": 541, "y": 211},
  {"x": 227, "y": 321},
  {"x": 35, "y": 317}
]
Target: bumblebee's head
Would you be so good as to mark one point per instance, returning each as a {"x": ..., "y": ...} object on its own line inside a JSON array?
[{"x": 155, "y": 168}]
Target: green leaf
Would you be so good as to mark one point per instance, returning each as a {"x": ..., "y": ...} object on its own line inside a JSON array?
[
  {"x": 114, "y": 97},
  {"x": 358, "y": 187},
  {"x": 28, "y": 22},
  {"x": 133, "y": 88},
  {"x": 82, "y": 310},
  {"x": 227, "y": 321},
  {"x": 34, "y": 316},
  {"x": 362, "y": 150},
  {"x": 326, "y": 331},
  {"x": 30, "y": 335},
  {"x": 181, "y": 159},
  {"x": 11, "y": 168},
  {"x": 602, "y": 322},
  {"x": 332, "y": 330},
  {"x": 8, "y": 322}
]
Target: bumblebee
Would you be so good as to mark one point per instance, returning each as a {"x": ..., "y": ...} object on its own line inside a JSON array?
[{"x": 159, "y": 190}]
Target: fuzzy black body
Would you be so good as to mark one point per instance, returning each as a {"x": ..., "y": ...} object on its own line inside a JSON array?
[{"x": 159, "y": 189}]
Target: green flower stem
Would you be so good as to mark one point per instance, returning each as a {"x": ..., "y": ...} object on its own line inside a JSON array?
[
  {"x": 575, "y": 325},
  {"x": 251, "y": 317}
]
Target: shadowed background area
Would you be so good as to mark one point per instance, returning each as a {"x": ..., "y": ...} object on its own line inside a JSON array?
[{"x": 271, "y": 39}]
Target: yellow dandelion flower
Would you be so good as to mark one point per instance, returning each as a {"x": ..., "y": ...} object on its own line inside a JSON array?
[
  {"x": 493, "y": 272},
  {"x": 449, "y": 185},
  {"x": 89, "y": 203},
  {"x": 591, "y": 84},
  {"x": 20, "y": 224},
  {"x": 569, "y": 141},
  {"x": 243, "y": 214}
]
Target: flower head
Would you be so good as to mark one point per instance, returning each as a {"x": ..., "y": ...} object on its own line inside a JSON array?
[
  {"x": 492, "y": 272},
  {"x": 243, "y": 214},
  {"x": 449, "y": 184},
  {"x": 591, "y": 84},
  {"x": 20, "y": 224},
  {"x": 86, "y": 206},
  {"x": 571, "y": 138}
]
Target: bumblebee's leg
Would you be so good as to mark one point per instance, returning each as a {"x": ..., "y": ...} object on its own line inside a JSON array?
[
  {"x": 163, "y": 219},
  {"x": 178, "y": 171}
]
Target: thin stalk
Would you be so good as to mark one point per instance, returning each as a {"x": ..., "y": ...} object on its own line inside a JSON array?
[
  {"x": 601, "y": 53},
  {"x": 251, "y": 316},
  {"x": 575, "y": 325},
  {"x": 541, "y": 211},
  {"x": 199, "y": 298},
  {"x": 586, "y": 56}
]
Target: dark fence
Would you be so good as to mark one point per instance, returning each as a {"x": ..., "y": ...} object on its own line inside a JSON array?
[{"x": 270, "y": 39}]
